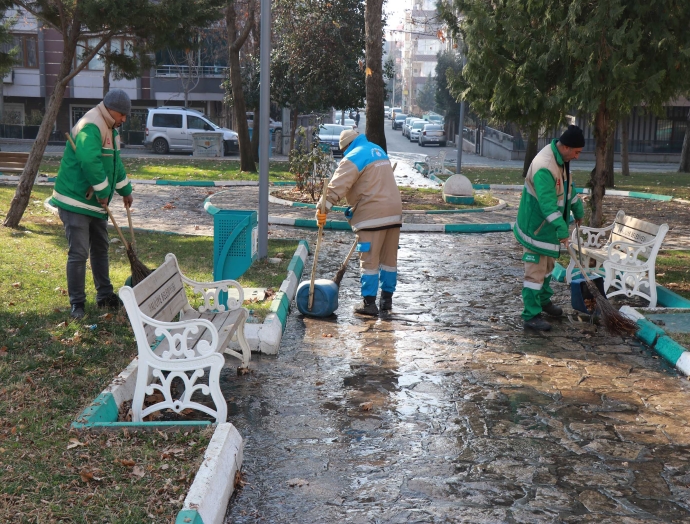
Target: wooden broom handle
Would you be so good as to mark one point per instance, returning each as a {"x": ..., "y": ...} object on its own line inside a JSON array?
[
  {"x": 324, "y": 192},
  {"x": 131, "y": 229},
  {"x": 117, "y": 228}
]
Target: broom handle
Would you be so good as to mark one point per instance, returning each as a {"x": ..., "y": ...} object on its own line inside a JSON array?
[
  {"x": 579, "y": 246},
  {"x": 131, "y": 229},
  {"x": 318, "y": 245},
  {"x": 577, "y": 262},
  {"x": 117, "y": 228}
]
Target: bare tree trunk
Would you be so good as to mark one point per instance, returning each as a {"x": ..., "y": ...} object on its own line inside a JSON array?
[
  {"x": 2, "y": 101},
  {"x": 28, "y": 177},
  {"x": 598, "y": 177},
  {"x": 531, "y": 149},
  {"x": 373, "y": 27},
  {"x": 235, "y": 42},
  {"x": 684, "y": 166},
  {"x": 294, "y": 113},
  {"x": 106, "y": 71},
  {"x": 625, "y": 159},
  {"x": 610, "y": 153}
]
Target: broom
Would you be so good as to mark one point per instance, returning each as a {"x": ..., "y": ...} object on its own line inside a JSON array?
[
  {"x": 341, "y": 272},
  {"x": 614, "y": 321},
  {"x": 139, "y": 270}
]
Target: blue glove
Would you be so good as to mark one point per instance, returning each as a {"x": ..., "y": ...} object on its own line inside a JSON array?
[{"x": 349, "y": 213}]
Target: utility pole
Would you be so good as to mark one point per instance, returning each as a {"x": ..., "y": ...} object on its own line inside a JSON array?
[{"x": 264, "y": 115}]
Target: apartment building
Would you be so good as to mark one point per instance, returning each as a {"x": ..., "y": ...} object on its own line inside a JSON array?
[
  {"x": 420, "y": 47},
  {"x": 28, "y": 87}
]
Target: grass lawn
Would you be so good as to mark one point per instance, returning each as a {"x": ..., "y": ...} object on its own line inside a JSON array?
[
  {"x": 51, "y": 368},
  {"x": 183, "y": 168},
  {"x": 669, "y": 183}
]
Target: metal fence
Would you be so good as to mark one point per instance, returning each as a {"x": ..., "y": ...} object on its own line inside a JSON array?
[
  {"x": 175, "y": 71},
  {"x": 634, "y": 146}
]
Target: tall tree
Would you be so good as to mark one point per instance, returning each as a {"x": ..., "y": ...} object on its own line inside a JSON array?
[
  {"x": 162, "y": 23},
  {"x": 622, "y": 54},
  {"x": 376, "y": 93},
  {"x": 448, "y": 66},
  {"x": 318, "y": 62},
  {"x": 426, "y": 98},
  {"x": 237, "y": 36},
  {"x": 513, "y": 74}
]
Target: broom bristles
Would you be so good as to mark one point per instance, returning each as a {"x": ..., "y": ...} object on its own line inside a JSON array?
[
  {"x": 139, "y": 270},
  {"x": 615, "y": 322}
]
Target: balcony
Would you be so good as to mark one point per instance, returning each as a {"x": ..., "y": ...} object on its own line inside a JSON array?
[{"x": 182, "y": 71}]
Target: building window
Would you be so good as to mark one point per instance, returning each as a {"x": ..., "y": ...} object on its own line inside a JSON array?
[
  {"x": 78, "y": 112},
  {"x": 26, "y": 48},
  {"x": 97, "y": 63}
]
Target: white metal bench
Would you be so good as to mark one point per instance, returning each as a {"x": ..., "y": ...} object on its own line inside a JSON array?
[
  {"x": 435, "y": 165},
  {"x": 625, "y": 253},
  {"x": 177, "y": 343}
]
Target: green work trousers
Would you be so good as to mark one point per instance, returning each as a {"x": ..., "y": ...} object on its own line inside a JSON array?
[{"x": 536, "y": 289}]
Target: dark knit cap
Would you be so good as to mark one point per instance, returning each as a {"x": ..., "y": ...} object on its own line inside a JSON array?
[
  {"x": 119, "y": 101},
  {"x": 573, "y": 137}
]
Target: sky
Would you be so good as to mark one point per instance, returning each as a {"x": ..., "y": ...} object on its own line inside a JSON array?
[{"x": 395, "y": 9}]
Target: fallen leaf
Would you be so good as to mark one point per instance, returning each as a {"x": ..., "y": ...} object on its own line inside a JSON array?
[
  {"x": 297, "y": 483},
  {"x": 240, "y": 481},
  {"x": 86, "y": 475},
  {"x": 3, "y": 351},
  {"x": 73, "y": 443},
  {"x": 127, "y": 462},
  {"x": 17, "y": 284},
  {"x": 138, "y": 471},
  {"x": 327, "y": 335},
  {"x": 366, "y": 406},
  {"x": 107, "y": 316}
]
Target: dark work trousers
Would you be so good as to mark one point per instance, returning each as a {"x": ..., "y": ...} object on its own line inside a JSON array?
[{"x": 87, "y": 237}]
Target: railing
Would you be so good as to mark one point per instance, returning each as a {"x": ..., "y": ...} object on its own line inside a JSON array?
[
  {"x": 504, "y": 139},
  {"x": 634, "y": 146},
  {"x": 176, "y": 71},
  {"x": 19, "y": 132}
]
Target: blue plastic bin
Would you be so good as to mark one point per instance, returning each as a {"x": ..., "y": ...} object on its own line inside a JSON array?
[
  {"x": 272, "y": 140},
  {"x": 579, "y": 292},
  {"x": 235, "y": 244}
]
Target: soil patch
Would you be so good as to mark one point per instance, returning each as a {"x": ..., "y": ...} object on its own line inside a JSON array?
[{"x": 412, "y": 199}]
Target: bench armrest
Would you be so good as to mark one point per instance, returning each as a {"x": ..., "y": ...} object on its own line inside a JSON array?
[
  {"x": 627, "y": 253},
  {"x": 592, "y": 236},
  {"x": 210, "y": 292}
]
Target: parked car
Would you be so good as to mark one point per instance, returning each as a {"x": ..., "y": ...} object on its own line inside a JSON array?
[
  {"x": 272, "y": 124},
  {"x": 172, "y": 129},
  {"x": 395, "y": 111},
  {"x": 433, "y": 118},
  {"x": 386, "y": 112},
  {"x": 432, "y": 134},
  {"x": 415, "y": 130},
  {"x": 407, "y": 124},
  {"x": 348, "y": 122},
  {"x": 330, "y": 134},
  {"x": 399, "y": 120}
]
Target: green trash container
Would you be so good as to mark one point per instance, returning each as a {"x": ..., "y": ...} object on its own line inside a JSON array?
[{"x": 235, "y": 244}]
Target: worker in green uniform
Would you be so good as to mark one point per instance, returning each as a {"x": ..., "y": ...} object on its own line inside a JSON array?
[
  {"x": 542, "y": 223},
  {"x": 91, "y": 172}
]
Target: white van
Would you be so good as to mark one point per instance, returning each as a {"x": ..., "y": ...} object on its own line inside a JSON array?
[{"x": 171, "y": 129}]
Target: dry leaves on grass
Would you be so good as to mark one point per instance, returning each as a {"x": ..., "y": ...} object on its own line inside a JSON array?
[
  {"x": 3, "y": 351},
  {"x": 74, "y": 443}
]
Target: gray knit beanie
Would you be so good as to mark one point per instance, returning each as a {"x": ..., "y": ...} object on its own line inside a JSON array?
[{"x": 119, "y": 101}]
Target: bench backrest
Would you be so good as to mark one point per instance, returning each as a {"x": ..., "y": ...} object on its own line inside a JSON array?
[
  {"x": 633, "y": 230},
  {"x": 13, "y": 161},
  {"x": 161, "y": 295}
]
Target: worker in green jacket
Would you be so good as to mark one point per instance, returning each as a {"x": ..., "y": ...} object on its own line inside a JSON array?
[
  {"x": 542, "y": 223},
  {"x": 90, "y": 173}
]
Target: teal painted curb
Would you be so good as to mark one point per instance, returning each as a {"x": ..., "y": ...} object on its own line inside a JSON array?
[
  {"x": 103, "y": 413},
  {"x": 669, "y": 349},
  {"x": 195, "y": 183},
  {"x": 281, "y": 307},
  {"x": 477, "y": 228},
  {"x": 189, "y": 516},
  {"x": 461, "y": 200},
  {"x": 296, "y": 265},
  {"x": 649, "y": 332},
  {"x": 668, "y": 298},
  {"x": 649, "y": 196},
  {"x": 481, "y": 186}
]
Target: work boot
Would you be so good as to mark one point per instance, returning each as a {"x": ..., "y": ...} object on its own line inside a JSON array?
[
  {"x": 552, "y": 309},
  {"x": 77, "y": 311},
  {"x": 112, "y": 301},
  {"x": 537, "y": 323},
  {"x": 386, "y": 302},
  {"x": 368, "y": 307}
]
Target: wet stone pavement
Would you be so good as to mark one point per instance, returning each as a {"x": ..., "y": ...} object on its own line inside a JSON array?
[{"x": 447, "y": 411}]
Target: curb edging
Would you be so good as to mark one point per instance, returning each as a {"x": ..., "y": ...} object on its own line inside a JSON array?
[{"x": 671, "y": 351}]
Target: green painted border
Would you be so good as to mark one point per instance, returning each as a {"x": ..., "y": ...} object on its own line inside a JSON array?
[
  {"x": 477, "y": 228},
  {"x": 668, "y": 298},
  {"x": 669, "y": 349},
  {"x": 195, "y": 183},
  {"x": 649, "y": 332},
  {"x": 649, "y": 196},
  {"x": 189, "y": 516},
  {"x": 462, "y": 200}
]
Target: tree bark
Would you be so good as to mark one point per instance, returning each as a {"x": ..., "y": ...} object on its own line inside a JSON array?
[
  {"x": 28, "y": 177},
  {"x": 531, "y": 149},
  {"x": 294, "y": 113},
  {"x": 236, "y": 40},
  {"x": 598, "y": 176},
  {"x": 610, "y": 143},
  {"x": 106, "y": 71},
  {"x": 376, "y": 92},
  {"x": 684, "y": 166},
  {"x": 2, "y": 102},
  {"x": 625, "y": 158}
]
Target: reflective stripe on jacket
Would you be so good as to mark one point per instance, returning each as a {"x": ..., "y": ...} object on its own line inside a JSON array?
[
  {"x": 365, "y": 179},
  {"x": 95, "y": 163},
  {"x": 540, "y": 222}
]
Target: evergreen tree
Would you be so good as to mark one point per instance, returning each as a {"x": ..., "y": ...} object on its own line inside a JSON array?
[{"x": 426, "y": 97}]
